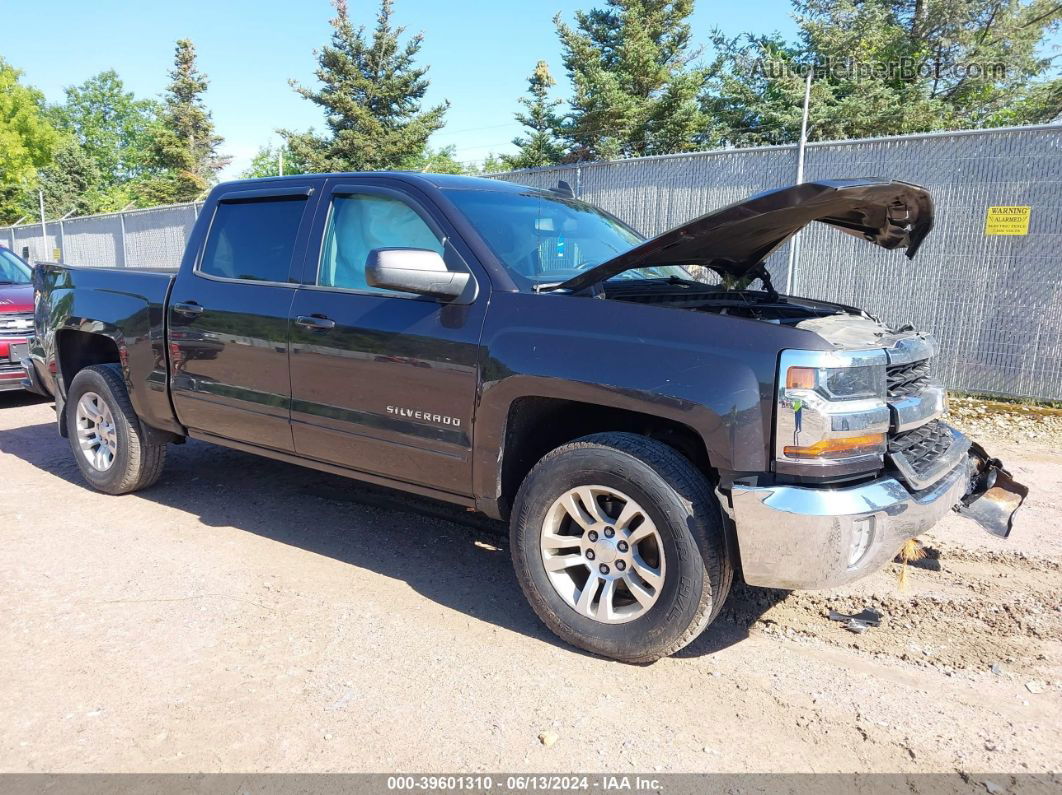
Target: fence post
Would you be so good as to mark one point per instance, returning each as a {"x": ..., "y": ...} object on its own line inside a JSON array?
[
  {"x": 122, "y": 261},
  {"x": 62, "y": 238},
  {"x": 578, "y": 182},
  {"x": 11, "y": 232},
  {"x": 44, "y": 229},
  {"x": 794, "y": 241}
]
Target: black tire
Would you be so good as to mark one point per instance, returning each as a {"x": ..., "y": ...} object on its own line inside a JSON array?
[
  {"x": 680, "y": 502},
  {"x": 137, "y": 462}
]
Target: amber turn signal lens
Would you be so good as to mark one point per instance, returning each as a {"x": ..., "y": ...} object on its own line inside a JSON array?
[
  {"x": 800, "y": 378},
  {"x": 868, "y": 444}
]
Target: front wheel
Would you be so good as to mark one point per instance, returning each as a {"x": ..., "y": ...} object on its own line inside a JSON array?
[
  {"x": 111, "y": 449},
  {"x": 618, "y": 544}
]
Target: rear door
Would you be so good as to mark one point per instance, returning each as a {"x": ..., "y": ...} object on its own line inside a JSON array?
[
  {"x": 228, "y": 317},
  {"x": 384, "y": 382}
]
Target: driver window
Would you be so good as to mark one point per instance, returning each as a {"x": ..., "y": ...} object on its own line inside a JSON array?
[{"x": 360, "y": 223}]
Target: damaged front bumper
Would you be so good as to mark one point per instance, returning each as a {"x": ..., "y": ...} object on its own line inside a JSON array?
[
  {"x": 798, "y": 537},
  {"x": 994, "y": 497}
]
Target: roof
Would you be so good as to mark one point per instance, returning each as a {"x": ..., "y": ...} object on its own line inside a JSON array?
[{"x": 442, "y": 181}]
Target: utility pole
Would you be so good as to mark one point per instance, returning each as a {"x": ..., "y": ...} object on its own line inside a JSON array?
[
  {"x": 794, "y": 242},
  {"x": 280, "y": 160}
]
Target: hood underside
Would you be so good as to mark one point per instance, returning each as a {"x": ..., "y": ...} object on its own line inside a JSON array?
[{"x": 735, "y": 240}]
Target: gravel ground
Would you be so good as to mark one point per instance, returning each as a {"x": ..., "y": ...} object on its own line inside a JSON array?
[
  {"x": 1013, "y": 422},
  {"x": 246, "y": 615}
]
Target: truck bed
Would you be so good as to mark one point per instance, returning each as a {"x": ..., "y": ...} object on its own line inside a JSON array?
[{"x": 125, "y": 305}]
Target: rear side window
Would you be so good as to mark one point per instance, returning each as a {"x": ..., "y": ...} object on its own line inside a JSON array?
[{"x": 253, "y": 240}]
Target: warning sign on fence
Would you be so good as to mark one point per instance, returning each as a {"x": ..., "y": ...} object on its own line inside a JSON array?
[{"x": 1007, "y": 220}]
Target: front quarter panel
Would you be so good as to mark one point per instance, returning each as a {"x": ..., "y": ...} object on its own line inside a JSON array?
[{"x": 712, "y": 373}]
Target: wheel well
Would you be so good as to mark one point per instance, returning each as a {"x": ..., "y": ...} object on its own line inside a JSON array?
[
  {"x": 537, "y": 425},
  {"x": 77, "y": 350}
]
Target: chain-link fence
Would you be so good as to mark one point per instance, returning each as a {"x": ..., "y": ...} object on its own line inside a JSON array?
[
  {"x": 994, "y": 302},
  {"x": 151, "y": 238}
]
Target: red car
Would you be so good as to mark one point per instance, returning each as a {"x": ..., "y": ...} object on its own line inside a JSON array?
[{"x": 16, "y": 318}]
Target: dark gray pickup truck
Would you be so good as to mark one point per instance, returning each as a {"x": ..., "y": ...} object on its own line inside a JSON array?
[{"x": 647, "y": 422}]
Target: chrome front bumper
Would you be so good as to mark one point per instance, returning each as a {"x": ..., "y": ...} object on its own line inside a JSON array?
[{"x": 796, "y": 537}]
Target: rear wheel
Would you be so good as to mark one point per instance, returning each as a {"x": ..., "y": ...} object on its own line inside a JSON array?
[
  {"x": 110, "y": 447},
  {"x": 618, "y": 544}
]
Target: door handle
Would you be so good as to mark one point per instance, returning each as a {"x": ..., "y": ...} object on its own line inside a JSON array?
[
  {"x": 315, "y": 322},
  {"x": 188, "y": 309}
]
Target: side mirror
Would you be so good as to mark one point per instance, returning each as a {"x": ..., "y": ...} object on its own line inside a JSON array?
[{"x": 414, "y": 270}]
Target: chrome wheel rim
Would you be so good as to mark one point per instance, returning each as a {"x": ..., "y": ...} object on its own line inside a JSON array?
[
  {"x": 96, "y": 434},
  {"x": 603, "y": 554}
]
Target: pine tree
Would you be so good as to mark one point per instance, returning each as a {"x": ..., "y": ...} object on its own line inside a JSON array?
[
  {"x": 184, "y": 150},
  {"x": 70, "y": 183},
  {"x": 371, "y": 95},
  {"x": 888, "y": 67},
  {"x": 540, "y": 147},
  {"x": 635, "y": 88}
]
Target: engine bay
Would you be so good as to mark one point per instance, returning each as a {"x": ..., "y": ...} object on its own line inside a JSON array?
[{"x": 764, "y": 305}]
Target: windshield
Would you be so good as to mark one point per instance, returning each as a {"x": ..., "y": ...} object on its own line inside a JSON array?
[
  {"x": 12, "y": 269},
  {"x": 543, "y": 239}
]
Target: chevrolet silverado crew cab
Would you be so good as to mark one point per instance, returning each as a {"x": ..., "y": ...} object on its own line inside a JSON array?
[{"x": 646, "y": 421}]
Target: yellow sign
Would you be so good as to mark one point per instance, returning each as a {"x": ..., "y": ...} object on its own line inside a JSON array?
[{"x": 1007, "y": 220}]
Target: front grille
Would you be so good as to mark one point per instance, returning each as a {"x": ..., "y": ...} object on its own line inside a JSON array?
[
  {"x": 922, "y": 447},
  {"x": 16, "y": 324},
  {"x": 907, "y": 380}
]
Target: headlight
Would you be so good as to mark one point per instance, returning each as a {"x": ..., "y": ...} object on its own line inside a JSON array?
[
  {"x": 839, "y": 383},
  {"x": 831, "y": 413}
]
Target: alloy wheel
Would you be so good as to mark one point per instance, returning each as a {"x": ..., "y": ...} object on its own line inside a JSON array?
[
  {"x": 603, "y": 554},
  {"x": 96, "y": 433}
]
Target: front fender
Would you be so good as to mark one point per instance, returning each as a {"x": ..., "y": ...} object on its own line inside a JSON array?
[{"x": 711, "y": 373}]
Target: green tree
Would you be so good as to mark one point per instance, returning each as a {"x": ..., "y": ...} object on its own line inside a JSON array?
[
  {"x": 436, "y": 161},
  {"x": 70, "y": 183},
  {"x": 111, "y": 125},
  {"x": 541, "y": 146},
  {"x": 371, "y": 95},
  {"x": 266, "y": 163},
  {"x": 635, "y": 88},
  {"x": 491, "y": 164},
  {"x": 27, "y": 140},
  {"x": 756, "y": 93},
  {"x": 184, "y": 149},
  {"x": 887, "y": 67}
]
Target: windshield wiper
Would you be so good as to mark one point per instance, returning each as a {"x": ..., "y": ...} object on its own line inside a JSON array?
[{"x": 545, "y": 287}]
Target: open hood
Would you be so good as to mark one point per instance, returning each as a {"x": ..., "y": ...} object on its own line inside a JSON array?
[{"x": 735, "y": 240}]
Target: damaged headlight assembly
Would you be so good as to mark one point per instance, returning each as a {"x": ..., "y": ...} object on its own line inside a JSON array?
[{"x": 831, "y": 417}]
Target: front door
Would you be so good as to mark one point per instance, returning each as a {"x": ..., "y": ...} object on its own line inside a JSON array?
[
  {"x": 228, "y": 318},
  {"x": 384, "y": 382}
]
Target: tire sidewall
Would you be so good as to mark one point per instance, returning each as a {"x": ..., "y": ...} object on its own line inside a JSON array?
[
  {"x": 684, "y": 579},
  {"x": 89, "y": 380}
]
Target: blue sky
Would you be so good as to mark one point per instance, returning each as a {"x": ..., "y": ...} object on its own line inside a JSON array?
[{"x": 480, "y": 55}]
